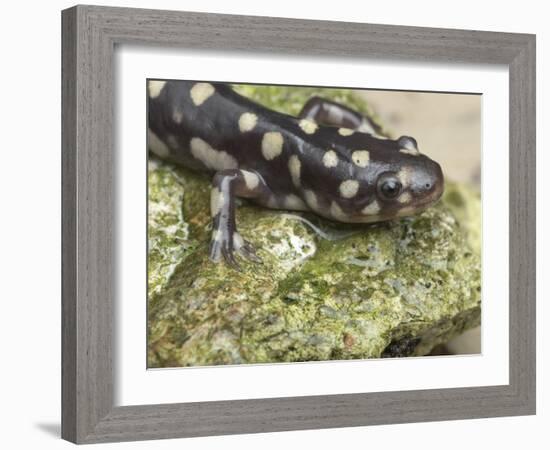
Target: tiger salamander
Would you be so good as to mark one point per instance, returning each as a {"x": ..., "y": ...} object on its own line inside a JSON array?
[{"x": 329, "y": 160}]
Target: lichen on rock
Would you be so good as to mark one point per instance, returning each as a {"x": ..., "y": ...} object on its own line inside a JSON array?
[{"x": 392, "y": 289}]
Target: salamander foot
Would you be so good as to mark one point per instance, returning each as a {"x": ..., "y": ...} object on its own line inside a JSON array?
[{"x": 225, "y": 245}]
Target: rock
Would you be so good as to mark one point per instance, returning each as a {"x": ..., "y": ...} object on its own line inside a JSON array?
[
  {"x": 358, "y": 291},
  {"x": 393, "y": 289}
]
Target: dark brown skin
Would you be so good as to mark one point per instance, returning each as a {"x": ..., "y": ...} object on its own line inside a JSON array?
[{"x": 336, "y": 170}]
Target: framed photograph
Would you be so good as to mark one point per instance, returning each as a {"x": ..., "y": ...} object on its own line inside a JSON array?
[{"x": 267, "y": 230}]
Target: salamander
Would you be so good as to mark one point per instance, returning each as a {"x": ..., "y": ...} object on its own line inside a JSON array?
[{"x": 330, "y": 160}]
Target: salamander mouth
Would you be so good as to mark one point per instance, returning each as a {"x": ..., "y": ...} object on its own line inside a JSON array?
[
  {"x": 421, "y": 204},
  {"x": 430, "y": 199},
  {"x": 415, "y": 207}
]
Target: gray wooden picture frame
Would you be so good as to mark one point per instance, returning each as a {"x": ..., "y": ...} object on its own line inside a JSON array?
[{"x": 90, "y": 34}]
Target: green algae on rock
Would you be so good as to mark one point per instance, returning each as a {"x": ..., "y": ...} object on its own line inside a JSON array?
[{"x": 392, "y": 289}]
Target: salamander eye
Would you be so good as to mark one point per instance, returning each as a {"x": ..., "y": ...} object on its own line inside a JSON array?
[{"x": 389, "y": 186}]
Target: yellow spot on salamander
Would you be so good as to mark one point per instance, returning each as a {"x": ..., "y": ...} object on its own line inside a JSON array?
[
  {"x": 158, "y": 147},
  {"x": 405, "y": 197},
  {"x": 308, "y": 126},
  {"x": 345, "y": 131},
  {"x": 210, "y": 157},
  {"x": 294, "y": 203},
  {"x": 247, "y": 122},
  {"x": 371, "y": 209},
  {"x": 250, "y": 179},
  {"x": 330, "y": 159},
  {"x": 200, "y": 92},
  {"x": 155, "y": 88},
  {"x": 272, "y": 145},
  {"x": 311, "y": 199},
  {"x": 349, "y": 188},
  {"x": 405, "y": 175},
  {"x": 294, "y": 167},
  {"x": 360, "y": 158}
]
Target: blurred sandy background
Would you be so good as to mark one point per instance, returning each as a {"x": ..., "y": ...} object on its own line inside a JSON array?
[{"x": 447, "y": 128}]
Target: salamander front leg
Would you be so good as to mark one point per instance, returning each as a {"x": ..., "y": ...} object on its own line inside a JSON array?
[
  {"x": 333, "y": 114},
  {"x": 226, "y": 240}
]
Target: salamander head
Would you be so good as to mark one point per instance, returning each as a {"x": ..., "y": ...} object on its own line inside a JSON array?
[
  {"x": 405, "y": 181},
  {"x": 387, "y": 180}
]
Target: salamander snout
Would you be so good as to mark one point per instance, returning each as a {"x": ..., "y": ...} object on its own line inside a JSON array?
[{"x": 427, "y": 183}]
